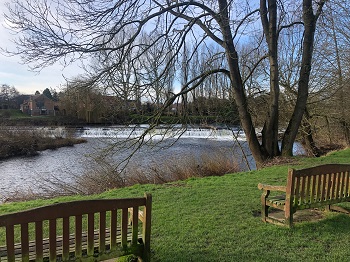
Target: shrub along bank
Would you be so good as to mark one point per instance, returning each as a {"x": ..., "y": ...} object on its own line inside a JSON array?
[{"x": 217, "y": 219}]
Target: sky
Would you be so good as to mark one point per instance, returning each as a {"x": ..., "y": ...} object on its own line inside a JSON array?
[{"x": 13, "y": 73}]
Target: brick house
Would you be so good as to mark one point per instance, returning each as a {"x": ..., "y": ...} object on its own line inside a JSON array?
[{"x": 37, "y": 105}]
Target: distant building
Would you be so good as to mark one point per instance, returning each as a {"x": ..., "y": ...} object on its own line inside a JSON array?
[{"x": 37, "y": 105}]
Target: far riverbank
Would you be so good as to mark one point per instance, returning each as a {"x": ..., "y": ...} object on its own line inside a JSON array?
[{"x": 14, "y": 144}]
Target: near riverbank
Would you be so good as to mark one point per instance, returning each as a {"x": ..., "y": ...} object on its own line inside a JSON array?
[{"x": 218, "y": 219}]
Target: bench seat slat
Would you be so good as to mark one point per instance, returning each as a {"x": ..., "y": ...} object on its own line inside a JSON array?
[{"x": 278, "y": 200}]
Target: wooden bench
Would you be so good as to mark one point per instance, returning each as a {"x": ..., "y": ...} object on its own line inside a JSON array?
[
  {"x": 308, "y": 188},
  {"x": 88, "y": 230}
]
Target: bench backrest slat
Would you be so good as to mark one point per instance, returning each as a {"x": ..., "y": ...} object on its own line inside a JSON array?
[
  {"x": 10, "y": 242},
  {"x": 65, "y": 244},
  {"x": 39, "y": 240},
  {"x": 78, "y": 235},
  {"x": 318, "y": 184},
  {"x": 52, "y": 238},
  {"x": 302, "y": 189},
  {"x": 297, "y": 189},
  {"x": 347, "y": 183},
  {"x": 342, "y": 184},
  {"x": 102, "y": 232},
  {"x": 323, "y": 186},
  {"x": 124, "y": 222},
  {"x": 25, "y": 242},
  {"x": 312, "y": 181},
  {"x": 335, "y": 190},
  {"x": 113, "y": 229},
  {"x": 135, "y": 218},
  {"x": 328, "y": 184},
  {"x": 333, "y": 185},
  {"x": 91, "y": 234},
  {"x": 318, "y": 180},
  {"x": 346, "y": 189}
]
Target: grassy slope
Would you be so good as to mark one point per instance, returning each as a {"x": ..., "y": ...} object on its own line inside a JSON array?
[{"x": 212, "y": 219}]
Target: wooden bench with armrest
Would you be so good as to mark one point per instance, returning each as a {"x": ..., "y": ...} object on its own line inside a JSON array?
[
  {"x": 314, "y": 187},
  {"x": 87, "y": 230}
]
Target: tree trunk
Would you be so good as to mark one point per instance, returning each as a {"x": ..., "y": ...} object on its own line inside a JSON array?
[
  {"x": 309, "y": 20},
  {"x": 270, "y": 129},
  {"x": 308, "y": 139},
  {"x": 238, "y": 89}
]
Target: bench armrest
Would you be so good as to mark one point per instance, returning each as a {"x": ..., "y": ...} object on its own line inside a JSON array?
[{"x": 272, "y": 188}]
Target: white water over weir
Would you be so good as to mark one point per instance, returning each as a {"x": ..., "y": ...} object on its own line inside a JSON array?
[
  {"x": 132, "y": 132},
  {"x": 125, "y": 132}
]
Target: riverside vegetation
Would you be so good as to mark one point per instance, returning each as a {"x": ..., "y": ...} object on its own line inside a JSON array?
[
  {"x": 29, "y": 143},
  {"x": 217, "y": 218}
]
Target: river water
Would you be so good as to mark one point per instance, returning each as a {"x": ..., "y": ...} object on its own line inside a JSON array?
[{"x": 29, "y": 174}]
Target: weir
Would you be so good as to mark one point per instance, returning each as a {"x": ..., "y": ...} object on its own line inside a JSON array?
[{"x": 125, "y": 132}]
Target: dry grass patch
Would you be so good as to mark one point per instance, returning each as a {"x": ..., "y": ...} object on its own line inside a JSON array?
[{"x": 104, "y": 175}]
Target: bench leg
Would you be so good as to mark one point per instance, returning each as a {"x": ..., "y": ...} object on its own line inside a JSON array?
[
  {"x": 288, "y": 214},
  {"x": 264, "y": 207},
  {"x": 264, "y": 212},
  {"x": 289, "y": 220}
]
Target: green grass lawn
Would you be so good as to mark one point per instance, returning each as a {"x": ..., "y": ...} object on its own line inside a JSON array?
[{"x": 215, "y": 219}]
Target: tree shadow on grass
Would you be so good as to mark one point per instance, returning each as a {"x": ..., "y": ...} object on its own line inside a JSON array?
[{"x": 337, "y": 223}]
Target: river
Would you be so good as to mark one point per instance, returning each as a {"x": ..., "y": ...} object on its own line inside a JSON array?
[{"x": 30, "y": 174}]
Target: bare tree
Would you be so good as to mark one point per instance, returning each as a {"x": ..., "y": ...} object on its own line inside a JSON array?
[
  {"x": 7, "y": 94},
  {"x": 68, "y": 31},
  {"x": 81, "y": 100},
  {"x": 336, "y": 55},
  {"x": 157, "y": 68}
]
